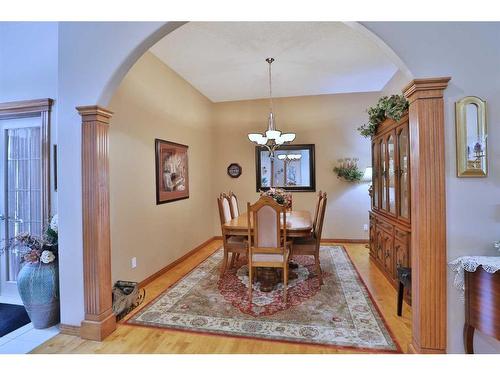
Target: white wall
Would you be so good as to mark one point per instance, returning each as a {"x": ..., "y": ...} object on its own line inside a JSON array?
[
  {"x": 28, "y": 69},
  {"x": 470, "y": 54}
]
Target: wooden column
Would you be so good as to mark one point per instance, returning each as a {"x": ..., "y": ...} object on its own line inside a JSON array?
[
  {"x": 99, "y": 319},
  {"x": 428, "y": 214}
]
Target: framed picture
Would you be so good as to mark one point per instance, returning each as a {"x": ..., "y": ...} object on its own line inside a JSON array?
[
  {"x": 172, "y": 177},
  {"x": 291, "y": 169}
]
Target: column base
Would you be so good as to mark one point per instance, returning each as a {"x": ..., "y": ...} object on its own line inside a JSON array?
[
  {"x": 414, "y": 349},
  {"x": 98, "y": 330}
]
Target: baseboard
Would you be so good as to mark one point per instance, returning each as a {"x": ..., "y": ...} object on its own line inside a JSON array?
[
  {"x": 68, "y": 329},
  {"x": 176, "y": 262},
  {"x": 344, "y": 240}
]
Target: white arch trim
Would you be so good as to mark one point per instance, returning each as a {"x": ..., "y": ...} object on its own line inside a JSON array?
[{"x": 384, "y": 47}]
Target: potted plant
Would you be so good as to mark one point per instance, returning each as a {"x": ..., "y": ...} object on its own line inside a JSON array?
[{"x": 38, "y": 279}]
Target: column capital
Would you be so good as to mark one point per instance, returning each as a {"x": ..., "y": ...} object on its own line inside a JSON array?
[
  {"x": 91, "y": 113},
  {"x": 425, "y": 88}
]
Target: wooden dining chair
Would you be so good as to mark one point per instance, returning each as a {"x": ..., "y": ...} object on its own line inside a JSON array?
[
  {"x": 310, "y": 246},
  {"x": 232, "y": 244},
  {"x": 269, "y": 247},
  {"x": 233, "y": 200},
  {"x": 316, "y": 211}
]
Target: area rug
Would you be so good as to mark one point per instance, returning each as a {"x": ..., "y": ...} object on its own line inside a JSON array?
[
  {"x": 340, "y": 313},
  {"x": 12, "y": 317}
]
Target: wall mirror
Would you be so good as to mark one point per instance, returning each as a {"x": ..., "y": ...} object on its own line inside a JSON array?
[
  {"x": 471, "y": 132},
  {"x": 291, "y": 168}
]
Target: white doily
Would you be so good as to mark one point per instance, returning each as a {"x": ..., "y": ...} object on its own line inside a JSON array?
[{"x": 470, "y": 264}]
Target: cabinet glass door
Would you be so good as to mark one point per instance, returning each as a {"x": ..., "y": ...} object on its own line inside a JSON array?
[
  {"x": 375, "y": 179},
  {"x": 391, "y": 178},
  {"x": 404, "y": 181},
  {"x": 383, "y": 174}
]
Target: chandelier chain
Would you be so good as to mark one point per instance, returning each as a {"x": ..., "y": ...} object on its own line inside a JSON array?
[{"x": 270, "y": 61}]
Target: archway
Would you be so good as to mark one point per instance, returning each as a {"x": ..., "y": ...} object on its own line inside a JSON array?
[{"x": 429, "y": 247}]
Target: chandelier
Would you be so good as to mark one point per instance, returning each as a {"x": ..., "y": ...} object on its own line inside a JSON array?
[
  {"x": 272, "y": 138},
  {"x": 289, "y": 157}
]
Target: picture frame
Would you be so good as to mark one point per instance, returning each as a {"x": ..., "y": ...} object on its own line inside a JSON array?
[
  {"x": 172, "y": 171},
  {"x": 267, "y": 173},
  {"x": 471, "y": 137}
]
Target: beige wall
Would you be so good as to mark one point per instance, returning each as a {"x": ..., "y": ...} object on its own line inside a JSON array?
[
  {"x": 154, "y": 102},
  {"x": 328, "y": 121}
]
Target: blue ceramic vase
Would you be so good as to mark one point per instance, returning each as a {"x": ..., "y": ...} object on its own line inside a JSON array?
[{"x": 38, "y": 286}]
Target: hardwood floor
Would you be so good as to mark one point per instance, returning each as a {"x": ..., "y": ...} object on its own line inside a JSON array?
[{"x": 132, "y": 339}]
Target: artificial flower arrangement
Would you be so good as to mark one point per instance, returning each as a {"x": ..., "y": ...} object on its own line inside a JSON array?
[
  {"x": 394, "y": 107},
  {"x": 348, "y": 170},
  {"x": 280, "y": 196},
  {"x": 38, "y": 249}
]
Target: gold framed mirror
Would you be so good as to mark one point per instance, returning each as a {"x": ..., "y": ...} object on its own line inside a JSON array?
[{"x": 471, "y": 133}]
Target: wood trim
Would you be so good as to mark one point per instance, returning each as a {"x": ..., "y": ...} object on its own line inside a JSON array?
[
  {"x": 68, "y": 329},
  {"x": 168, "y": 267},
  {"x": 25, "y": 107},
  {"x": 344, "y": 240},
  {"x": 428, "y": 214},
  {"x": 99, "y": 320}
]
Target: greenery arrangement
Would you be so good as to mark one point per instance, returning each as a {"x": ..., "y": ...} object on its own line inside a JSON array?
[
  {"x": 348, "y": 170},
  {"x": 393, "y": 107}
]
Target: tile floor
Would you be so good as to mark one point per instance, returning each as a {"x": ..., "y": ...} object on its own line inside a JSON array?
[{"x": 25, "y": 339}]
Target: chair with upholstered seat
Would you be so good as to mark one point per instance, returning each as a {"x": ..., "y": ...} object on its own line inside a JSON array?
[
  {"x": 233, "y": 202},
  {"x": 269, "y": 247},
  {"x": 311, "y": 245},
  {"x": 232, "y": 244}
]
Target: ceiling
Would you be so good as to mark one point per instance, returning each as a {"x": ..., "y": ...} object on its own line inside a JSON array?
[{"x": 225, "y": 61}]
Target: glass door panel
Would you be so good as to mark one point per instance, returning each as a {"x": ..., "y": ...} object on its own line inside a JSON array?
[
  {"x": 375, "y": 179},
  {"x": 383, "y": 174},
  {"x": 391, "y": 178},
  {"x": 404, "y": 183},
  {"x": 21, "y": 194}
]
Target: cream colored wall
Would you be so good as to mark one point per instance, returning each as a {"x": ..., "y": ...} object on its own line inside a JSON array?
[
  {"x": 154, "y": 102},
  {"x": 328, "y": 121}
]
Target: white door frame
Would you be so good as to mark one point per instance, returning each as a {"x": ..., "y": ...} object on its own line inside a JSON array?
[{"x": 40, "y": 109}]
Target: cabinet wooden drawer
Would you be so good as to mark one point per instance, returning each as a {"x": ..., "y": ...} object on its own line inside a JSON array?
[
  {"x": 401, "y": 235},
  {"x": 385, "y": 226}
]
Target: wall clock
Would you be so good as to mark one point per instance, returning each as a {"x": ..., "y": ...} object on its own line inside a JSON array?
[{"x": 234, "y": 170}]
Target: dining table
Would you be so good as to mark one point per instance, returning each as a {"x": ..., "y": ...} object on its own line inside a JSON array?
[{"x": 298, "y": 224}]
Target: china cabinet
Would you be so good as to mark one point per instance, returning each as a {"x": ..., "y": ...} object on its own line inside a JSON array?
[{"x": 390, "y": 222}]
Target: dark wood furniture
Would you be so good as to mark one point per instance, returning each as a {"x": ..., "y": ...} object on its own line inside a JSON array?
[
  {"x": 404, "y": 279},
  {"x": 390, "y": 222},
  {"x": 482, "y": 305}
]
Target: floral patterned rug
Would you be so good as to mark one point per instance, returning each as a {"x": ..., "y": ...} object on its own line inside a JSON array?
[{"x": 340, "y": 313}]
